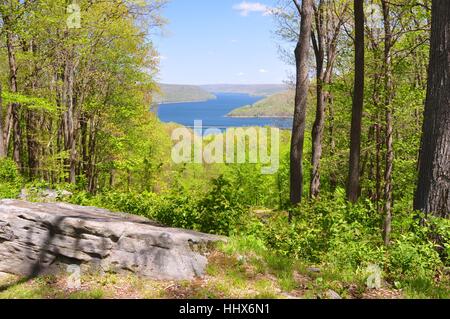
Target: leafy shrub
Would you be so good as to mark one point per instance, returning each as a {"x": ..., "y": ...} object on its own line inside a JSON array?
[
  {"x": 347, "y": 238},
  {"x": 217, "y": 211},
  {"x": 298, "y": 240},
  {"x": 409, "y": 259},
  {"x": 177, "y": 210},
  {"x": 220, "y": 211},
  {"x": 132, "y": 203},
  {"x": 10, "y": 179},
  {"x": 322, "y": 226}
]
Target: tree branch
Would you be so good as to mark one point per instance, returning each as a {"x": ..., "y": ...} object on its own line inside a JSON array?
[{"x": 298, "y": 6}]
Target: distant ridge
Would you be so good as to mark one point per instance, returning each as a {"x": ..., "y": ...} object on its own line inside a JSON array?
[
  {"x": 178, "y": 93},
  {"x": 251, "y": 89}
]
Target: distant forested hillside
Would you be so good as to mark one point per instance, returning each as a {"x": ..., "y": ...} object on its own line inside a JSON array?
[
  {"x": 172, "y": 93},
  {"x": 252, "y": 89},
  {"x": 277, "y": 105}
]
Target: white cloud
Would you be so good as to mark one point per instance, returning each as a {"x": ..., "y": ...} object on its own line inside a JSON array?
[
  {"x": 245, "y": 8},
  {"x": 240, "y": 74},
  {"x": 263, "y": 71}
]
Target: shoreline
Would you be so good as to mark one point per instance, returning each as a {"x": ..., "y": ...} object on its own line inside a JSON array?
[
  {"x": 192, "y": 101},
  {"x": 260, "y": 117}
]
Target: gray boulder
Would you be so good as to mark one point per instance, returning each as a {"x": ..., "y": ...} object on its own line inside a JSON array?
[{"x": 49, "y": 237}]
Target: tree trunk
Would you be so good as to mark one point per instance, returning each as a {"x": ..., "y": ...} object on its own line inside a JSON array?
[
  {"x": 332, "y": 141},
  {"x": 378, "y": 139},
  {"x": 378, "y": 165},
  {"x": 84, "y": 143},
  {"x": 301, "y": 97},
  {"x": 8, "y": 127},
  {"x": 14, "y": 115},
  {"x": 389, "y": 95},
  {"x": 92, "y": 171},
  {"x": 69, "y": 117},
  {"x": 358, "y": 103},
  {"x": 433, "y": 191},
  {"x": 17, "y": 136},
  {"x": 3, "y": 151},
  {"x": 327, "y": 28},
  {"x": 32, "y": 117},
  {"x": 317, "y": 137},
  {"x": 112, "y": 178},
  {"x": 319, "y": 123},
  {"x": 33, "y": 146}
]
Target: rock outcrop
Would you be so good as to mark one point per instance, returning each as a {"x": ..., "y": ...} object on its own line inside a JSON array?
[{"x": 50, "y": 237}]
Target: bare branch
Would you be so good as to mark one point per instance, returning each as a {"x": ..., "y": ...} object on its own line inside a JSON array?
[{"x": 298, "y": 6}]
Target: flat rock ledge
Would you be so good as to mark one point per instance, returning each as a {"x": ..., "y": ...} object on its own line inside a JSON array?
[{"x": 49, "y": 238}]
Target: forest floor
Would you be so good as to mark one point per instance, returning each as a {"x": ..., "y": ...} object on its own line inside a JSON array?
[{"x": 227, "y": 276}]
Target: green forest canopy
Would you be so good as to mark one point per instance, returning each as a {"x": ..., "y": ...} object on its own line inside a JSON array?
[{"x": 74, "y": 115}]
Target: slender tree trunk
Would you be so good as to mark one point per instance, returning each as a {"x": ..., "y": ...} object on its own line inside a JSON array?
[
  {"x": 319, "y": 123},
  {"x": 378, "y": 165},
  {"x": 333, "y": 174},
  {"x": 3, "y": 151},
  {"x": 433, "y": 190},
  {"x": 15, "y": 117},
  {"x": 324, "y": 39},
  {"x": 371, "y": 171},
  {"x": 358, "y": 103},
  {"x": 32, "y": 144},
  {"x": 301, "y": 97},
  {"x": 317, "y": 135},
  {"x": 8, "y": 127},
  {"x": 377, "y": 139},
  {"x": 112, "y": 178},
  {"x": 92, "y": 171},
  {"x": 29, "y": 126},
  {"x": 69, "y": 117},
  {"x": 389, "y": 94},
  {"x": 32, "y": 118},
  {"x": 17, "y": 137},
  {"x": 84, "y": 143}
]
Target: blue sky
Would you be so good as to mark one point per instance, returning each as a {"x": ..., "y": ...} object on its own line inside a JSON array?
[{"x": 219, "y": 41}]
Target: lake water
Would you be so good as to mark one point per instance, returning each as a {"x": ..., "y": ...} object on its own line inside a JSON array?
[{"x": 213, "y": 113}]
